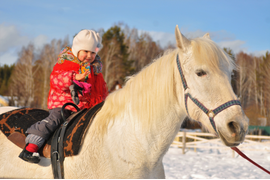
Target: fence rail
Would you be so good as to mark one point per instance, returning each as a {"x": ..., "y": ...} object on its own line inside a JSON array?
[{"x": 196, "y": 140}]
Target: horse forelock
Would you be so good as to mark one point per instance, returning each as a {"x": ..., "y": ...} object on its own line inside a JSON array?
[
  {"x": 205, "y": 51},
  {"x": 144, "y": 95}
]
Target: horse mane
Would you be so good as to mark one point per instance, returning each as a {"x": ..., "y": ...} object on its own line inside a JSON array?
[
  {"x": 144, "y": 95},
  {"x": 148, "y": 92}
]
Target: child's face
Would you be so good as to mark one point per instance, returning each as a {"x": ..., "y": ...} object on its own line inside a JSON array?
[{"x": 86, "y": 56}]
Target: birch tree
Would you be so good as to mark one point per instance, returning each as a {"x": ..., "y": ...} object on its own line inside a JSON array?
[
  {"x": 247, "y": 78},
  {"x": 142, "y": 49},
  {"x": 23, "y": 77},
  {"x": 114, "y": 55},
  {"x": 264, "y": 84},
  {"x": 47, "y": 60}
]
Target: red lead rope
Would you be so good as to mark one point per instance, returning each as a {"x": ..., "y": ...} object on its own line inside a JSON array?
[{"x": 244, "y": 156}]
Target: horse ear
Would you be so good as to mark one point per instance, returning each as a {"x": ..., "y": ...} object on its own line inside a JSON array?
[
  {"x": 181, "y": 41},
  {"x": 207, "y": 35}
]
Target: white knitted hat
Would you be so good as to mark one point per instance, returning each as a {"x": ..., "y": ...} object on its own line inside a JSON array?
[{"x": 87, "y": 40}]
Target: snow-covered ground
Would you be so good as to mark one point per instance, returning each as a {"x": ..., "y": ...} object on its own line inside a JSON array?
[{"x": 215, "y": 164}]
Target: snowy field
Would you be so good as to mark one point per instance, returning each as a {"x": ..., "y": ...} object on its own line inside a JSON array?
[{"x": 215, "y": 164}]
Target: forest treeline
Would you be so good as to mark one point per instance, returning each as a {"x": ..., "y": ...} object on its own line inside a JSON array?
[
  {"x": 124, "y": 53},
  {"x": 5, "y": 73}
]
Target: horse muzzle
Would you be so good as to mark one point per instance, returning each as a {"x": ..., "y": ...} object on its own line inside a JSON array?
[{"x": 234, "y": 132}]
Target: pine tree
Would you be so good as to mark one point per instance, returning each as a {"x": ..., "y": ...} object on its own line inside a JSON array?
[
  {"x": 5, "y": 73},
  {"x": 114, "y": 56}
]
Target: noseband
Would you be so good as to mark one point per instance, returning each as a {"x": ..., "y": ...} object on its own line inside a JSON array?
[{"x": 210, "y": 113}]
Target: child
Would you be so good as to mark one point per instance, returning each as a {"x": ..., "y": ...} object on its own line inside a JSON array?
[{"x": 79, "y": 66}]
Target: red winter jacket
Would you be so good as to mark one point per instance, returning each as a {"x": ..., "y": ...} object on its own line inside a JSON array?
[{"x": 60, "y": 80}]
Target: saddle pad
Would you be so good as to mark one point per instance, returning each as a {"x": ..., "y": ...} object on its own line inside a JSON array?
[
  {"x": 14, "y": 124},
  {"x": 19, "y": 120},
  {"x": 76, "y": 128}
]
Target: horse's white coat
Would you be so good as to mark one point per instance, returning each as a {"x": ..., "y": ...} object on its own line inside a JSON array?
[
  {"x": 137, "y": 124},
  {"x": 6, "y": 109}
]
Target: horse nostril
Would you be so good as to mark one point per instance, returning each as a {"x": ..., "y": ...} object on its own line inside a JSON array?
[{"x": 233, "y": 127}]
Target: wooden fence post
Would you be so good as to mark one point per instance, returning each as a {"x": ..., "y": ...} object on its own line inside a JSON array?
[
  {"x": 184, "y": 142},
  {"x": 195, "y": 149}
]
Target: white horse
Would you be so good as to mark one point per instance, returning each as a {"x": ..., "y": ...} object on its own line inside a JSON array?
[
  {"x": 6, "y": 109},
  {"x": 137, "y": 124}
]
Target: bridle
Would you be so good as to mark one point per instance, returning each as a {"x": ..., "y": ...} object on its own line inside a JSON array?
[{"x": 210, "y": 113}]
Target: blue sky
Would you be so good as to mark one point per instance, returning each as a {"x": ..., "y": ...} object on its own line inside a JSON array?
[{"x": 241, "y": 25}]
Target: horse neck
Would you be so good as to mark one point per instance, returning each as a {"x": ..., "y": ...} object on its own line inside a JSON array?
[
  {"x": 138, "y": 123},
  {"x": 149, "y": 105},
  {"x": 164, "y": 104}
]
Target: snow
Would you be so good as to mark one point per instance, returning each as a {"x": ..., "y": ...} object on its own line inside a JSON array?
[{"x": 216, "y": 163}]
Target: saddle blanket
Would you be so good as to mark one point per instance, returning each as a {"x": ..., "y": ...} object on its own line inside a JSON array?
[{"x": 15, "y": 123}]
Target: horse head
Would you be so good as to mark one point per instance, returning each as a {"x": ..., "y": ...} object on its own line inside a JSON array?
[{"x": 205, "y": 71}]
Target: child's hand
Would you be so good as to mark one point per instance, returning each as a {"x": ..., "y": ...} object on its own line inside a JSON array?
[{"x": 80, "y": 77}]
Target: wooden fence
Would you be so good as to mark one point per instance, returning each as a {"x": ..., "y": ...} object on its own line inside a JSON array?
[{"x": 195, "y": 140}]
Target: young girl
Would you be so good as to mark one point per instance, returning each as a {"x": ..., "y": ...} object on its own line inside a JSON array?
[{"x": 80, "y": 65}]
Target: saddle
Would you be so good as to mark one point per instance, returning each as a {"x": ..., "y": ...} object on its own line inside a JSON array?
[{"x": 15, "y": 123}]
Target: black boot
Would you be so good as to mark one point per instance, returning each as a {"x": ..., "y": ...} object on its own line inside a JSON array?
[{"x": 28, "y": 156}]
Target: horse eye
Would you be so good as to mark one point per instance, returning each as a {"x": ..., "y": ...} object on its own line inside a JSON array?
[{"x": 201, "y": 73}]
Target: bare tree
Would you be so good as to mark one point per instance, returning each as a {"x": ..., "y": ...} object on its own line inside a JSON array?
[
  {"x": 264, "y": 84},
  {"x": 110, "y": 55},
  {"x": 114, "y": 55},
  {"x": 23, "y": 77},
  {"x": 254, "y": 85},
  {"x": 47, "y": 60},
  {"x": 247, "y": 78},
  {"x": 142, "y": 49}
]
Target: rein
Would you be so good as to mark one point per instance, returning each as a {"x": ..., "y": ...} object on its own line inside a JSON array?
[
  {"x": 212, "y": 113},
  {"x": 247, "y": 158}
]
